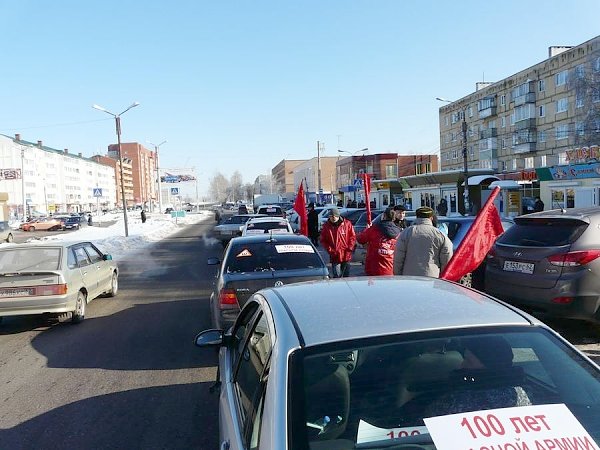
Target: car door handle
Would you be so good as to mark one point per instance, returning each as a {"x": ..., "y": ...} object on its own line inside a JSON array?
[{"x": 225, "y": 445}]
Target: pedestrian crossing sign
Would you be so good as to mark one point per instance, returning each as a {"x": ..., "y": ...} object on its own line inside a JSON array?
[
  {"x": 174, "y": 191},
  {"x": 97, "y": 192}
]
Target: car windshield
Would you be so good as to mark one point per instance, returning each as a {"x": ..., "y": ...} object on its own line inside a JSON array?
[
  {"x": 373, "y": 391},
  {"x": 263, "y": 256},
  {"x": 543, "y": 232},
  {"x": 29, "y": 259}
]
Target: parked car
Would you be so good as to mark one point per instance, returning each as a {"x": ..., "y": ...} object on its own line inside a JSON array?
[
  {"x": 262, "y": 225},
  {"x": 321, "y": 365},
  {"x": 6, "y": 232},
  {"x": 231, "y": 227},
  {"x": 251, "y": 263},
  {"x": 42, "y": 223},
  {"x": 69, "y": 222},
  {"x": 550, "y": 262},
  {"x": 54, "y": 278}
]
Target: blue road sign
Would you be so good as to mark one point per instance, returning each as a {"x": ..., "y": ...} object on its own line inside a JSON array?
[
  {"x": 358, "y": 182},
  {"x": 174, "y": 191},
  {"x": 97, "y": 192}
]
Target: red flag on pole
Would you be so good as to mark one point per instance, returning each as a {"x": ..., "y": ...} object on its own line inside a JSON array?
[
  {"x": 300, "y": 208},
  {"x": 477, "y": 243},
  {"x": 367, "y": 185}
]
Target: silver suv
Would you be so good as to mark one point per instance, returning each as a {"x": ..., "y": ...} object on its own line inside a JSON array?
[{"x": 549, "y": 262}]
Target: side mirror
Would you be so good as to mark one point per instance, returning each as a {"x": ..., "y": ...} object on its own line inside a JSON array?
[
  {"x": 209, "y": 338},
  {"x": 107, "y": 257},
  {"x": 213, "y": 261}
]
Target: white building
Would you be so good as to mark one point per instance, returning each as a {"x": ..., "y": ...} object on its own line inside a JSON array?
[{"x": 48, "y": 180}]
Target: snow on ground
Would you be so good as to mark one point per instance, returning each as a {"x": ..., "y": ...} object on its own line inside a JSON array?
[{"x": 112, "y": 239}]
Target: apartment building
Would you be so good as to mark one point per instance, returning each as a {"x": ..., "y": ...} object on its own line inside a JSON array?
[
  {"x": 308, "y": 171},
  {"x": 43, "y": 180},
  {"x": 127, "y": 186},
  {"x": 140, "y": 182},
  {"x": 547, "y": 115},
  {"x": 283, "y": 176}
]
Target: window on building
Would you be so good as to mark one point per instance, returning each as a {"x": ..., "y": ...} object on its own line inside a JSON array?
[
  {"x": 455, "y": 154},
  {"x": 390, "y": 171},
  {"x": 543, "y": 160},
  {"x": 503, "y": 143},
  {"x": 562, "y": 158},
  {"x": 472, "y": 150},
  {"x": 529, "y": 162},
  {"x": 503, "y": 122},
  {"x": 561, "y": 78},
  {"x": 503, "y": 100},
  {"x": 470, "y": 111},
  {"x": 562, "y": 132},
  {"x": 580, "y": 71},
  {"x": 541, "y": 136},
  {"x": 579, "y": 100},
  {"x": 597, "y": 64},
  {"x": 579, "y": 128},
  {"x": 446, "y": 120},
  {"x": 513, "y": 164},
  {"x": 541, "y": 85},
  {"x": 542, "y": 110},
  {"x": 562, "y": 104}
]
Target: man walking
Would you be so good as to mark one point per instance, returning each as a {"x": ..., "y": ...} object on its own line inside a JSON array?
[
  {"x": 422, "y": 249},
  {"x": 313, "y": 224},
  {"x": 338, "y": 239}
]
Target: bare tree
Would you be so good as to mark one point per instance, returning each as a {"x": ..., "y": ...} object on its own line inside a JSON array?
[
  {"x": 235, "y": 186},
  {"x": 248, "y": 192},
  {"x": 586, "y": 82},
  {"x": 219, "y": 187}
]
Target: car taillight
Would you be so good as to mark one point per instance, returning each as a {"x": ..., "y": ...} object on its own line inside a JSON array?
[
  {"x": 573, "y": 259},
  {"x": 227, "y": 297},
  {"x": 51, "y": 289},
  {"x": 563, "y": 300}
]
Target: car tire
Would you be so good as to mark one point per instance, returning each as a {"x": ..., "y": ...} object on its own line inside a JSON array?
[
  {"x": 80, "y": 305},
  {"x": 466, "y": 280},
  {"x": 10, "y": 237},
  {"x": 32, "y": 229},
  {"x": 114, "y": 285}
]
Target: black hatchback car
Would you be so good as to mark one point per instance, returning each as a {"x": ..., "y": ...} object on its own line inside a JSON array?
[{"x": 251, "y": 263}]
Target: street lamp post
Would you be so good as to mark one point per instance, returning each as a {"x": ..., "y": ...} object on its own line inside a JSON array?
[
  {"x": 156, "y": 147},
  {"x": 118, "y": 129},
  {"x": 464, "y": 153},
  {"x": 366, "y": 149}
]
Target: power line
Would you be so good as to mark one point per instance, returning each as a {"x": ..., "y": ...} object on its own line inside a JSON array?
[{"x": 54, "y": 125}]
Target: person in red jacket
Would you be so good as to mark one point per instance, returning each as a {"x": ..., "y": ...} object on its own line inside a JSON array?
[
  {"x": 380, "y": 239},
  {"x": 338, "y": 239}
]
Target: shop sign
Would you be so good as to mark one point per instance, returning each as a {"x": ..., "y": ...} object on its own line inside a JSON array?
[
  {"x": 576, "y": 171},
  {"x": 584, "y": 153},
  {"x": 10, "y": 174},
  {"x": 385, "y": 185},
  {"x": 527, "y": 175}
]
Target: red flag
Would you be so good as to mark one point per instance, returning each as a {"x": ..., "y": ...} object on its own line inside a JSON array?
[
  {"x": 300, "y": 208},
  {"x": 484, "y": 231},
  {"x": 367, "y": 184}
]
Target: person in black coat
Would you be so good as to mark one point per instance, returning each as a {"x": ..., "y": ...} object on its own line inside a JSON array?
[
  {"x": 313, "y": 224},
  {"x": 143, "y": 216},
  {"x": 538, "y": 205}
]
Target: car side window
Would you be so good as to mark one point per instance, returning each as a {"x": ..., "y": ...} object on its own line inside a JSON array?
[
  {"x": 94, "y": 254},
  {"x": 81, "y": 257},
  {"x": 71, "y": 260},
  {"x": 248, "y": 379}
]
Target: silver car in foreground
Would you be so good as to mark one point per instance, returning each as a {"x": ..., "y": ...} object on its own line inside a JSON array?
[
  {"x": 362, "y": 362},
  {"x": 55, "y": 278}
]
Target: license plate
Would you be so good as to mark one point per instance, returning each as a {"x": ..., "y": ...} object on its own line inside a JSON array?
[
  {"x": 16, "y": 292},
  {"x": 514, "y": 266},
  {"x": 226, "y": 233}
]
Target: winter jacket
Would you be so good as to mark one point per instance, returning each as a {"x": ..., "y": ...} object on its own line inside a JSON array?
[
  {"x": 338, "y": 239},
  {"x": 422, "y": 249},
  {"x": 313, "y": 223},
  {"x": 381, "y": 243}
]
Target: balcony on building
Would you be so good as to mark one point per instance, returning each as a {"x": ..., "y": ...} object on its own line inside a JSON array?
[
  {"x": 488, "y": 133},
  {"x": 524, "y": 93},
  {"x": 525, "y": 124},
  {"x": 488, "y": 144},
  {"x": 487, "y": 107},
  {"x": 525, "y": 141}
]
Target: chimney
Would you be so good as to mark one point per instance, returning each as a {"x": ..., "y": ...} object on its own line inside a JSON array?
[
  {"x": 17, "y": 137},
  {"x": 39, "y": 144},
  {"x": 66, "y": 150}
]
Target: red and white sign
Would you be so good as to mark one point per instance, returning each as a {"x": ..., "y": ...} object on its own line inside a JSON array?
[
  {"x": 539, "y": 427},
  {"x": 371, "y": 433}
]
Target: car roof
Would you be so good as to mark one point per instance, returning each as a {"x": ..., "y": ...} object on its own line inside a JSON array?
[
  {"x": 257, "y": 238},
  {"x": 569, "y": 213},
  {"x": 362, "y": 307},
  {"x": 44, "y": 244},
  {"x": 266, "y": 219}
]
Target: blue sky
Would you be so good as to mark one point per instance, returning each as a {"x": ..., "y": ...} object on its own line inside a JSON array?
[{"x": 241, "y": 85}]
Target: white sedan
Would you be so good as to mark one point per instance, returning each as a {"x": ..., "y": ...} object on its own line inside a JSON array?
[{"x": 262, "y": 225}]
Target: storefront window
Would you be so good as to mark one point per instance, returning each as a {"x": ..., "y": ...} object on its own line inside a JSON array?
[
  {"x": 570, "y": 198},
  {"x": 558, "y": 199}
]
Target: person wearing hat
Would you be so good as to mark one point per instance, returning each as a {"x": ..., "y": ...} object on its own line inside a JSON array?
[
  {"x": 422, "y": 249},
  {"x": 400, "y": 217},
  {"x": 380, "y": 239},
  {"x": 313, "y": 224},
  {"x": 338, "y": 239}
]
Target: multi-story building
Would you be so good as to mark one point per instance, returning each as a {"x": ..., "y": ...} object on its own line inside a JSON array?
[
  {"x": 317, "y": 173},
  {"x": 143, "y": 173},
  {"x": 44, "y": 180},
  {"x": 547, "y": 115},
  {"x": 127, "y": 185},
  {"x": 282, "y": 176}
]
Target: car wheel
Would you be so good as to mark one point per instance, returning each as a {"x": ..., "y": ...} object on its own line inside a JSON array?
[
  {"x": 114, "y": 285},
  {"x": 467, "y": 280},
  {"x": 10, "y": 237},
  {"x": 31, "y": 229},
  {"x": 80, "y": 304}
]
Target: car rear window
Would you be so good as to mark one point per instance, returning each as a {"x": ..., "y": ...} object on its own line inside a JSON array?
[
  {"x": 543, "y": 232},
  {"x": 271, "y": 211},
  {"x": 29, "y": 259},
  {"x": 261, "y": 257},
  {"x": 263, "y": 227}
]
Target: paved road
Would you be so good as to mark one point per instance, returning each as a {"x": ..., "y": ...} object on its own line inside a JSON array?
[{"x": 127, "y": 377}]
